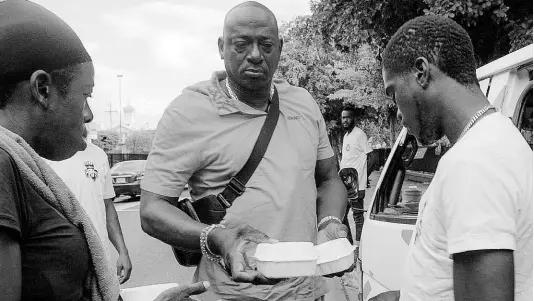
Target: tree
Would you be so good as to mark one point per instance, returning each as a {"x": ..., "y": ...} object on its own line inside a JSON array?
[
  {"x": 334, "y": 78},
  {"x": 140, "y": 142},
  {"x": 107, "y": 140},
  {"x": 496, "y": 27},
  {"x": 367, "y": 93}
]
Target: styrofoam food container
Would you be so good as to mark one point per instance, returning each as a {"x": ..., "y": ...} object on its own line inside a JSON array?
[
  {"x": 286, "y": 259},
  {"x": 143, "y": 293},
  {"x": 334, "y": 256}
]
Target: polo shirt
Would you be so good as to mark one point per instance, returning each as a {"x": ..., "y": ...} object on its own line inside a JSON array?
[{"x": 205, "y": 137}]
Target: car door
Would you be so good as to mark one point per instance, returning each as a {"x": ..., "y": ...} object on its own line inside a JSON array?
[{"x": 390, "y": 219}]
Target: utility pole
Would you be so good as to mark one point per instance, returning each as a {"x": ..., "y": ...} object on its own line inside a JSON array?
[
  {"x": 120, "y": 108},
  {"x": 110, "y": 111}
]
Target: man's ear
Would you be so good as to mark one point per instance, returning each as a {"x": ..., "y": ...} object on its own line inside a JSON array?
[
  {"x": 220, "y": 41},
  {"x": 281, "y": 44},
  {"x": 422, "y": 68},
  {"x": 40, "y": 87}
]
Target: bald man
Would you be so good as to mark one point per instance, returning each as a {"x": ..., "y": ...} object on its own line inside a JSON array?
[{"x": 205, "y": 137}]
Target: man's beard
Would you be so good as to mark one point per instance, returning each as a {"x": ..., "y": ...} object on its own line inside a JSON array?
[
  {"x": 348, "y": 128},
  {"x": 430, "y": 129}
]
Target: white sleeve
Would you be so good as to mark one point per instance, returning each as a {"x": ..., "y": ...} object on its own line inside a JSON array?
[
  {"x": 364, "y": 143},
  {"x": 478, "y": 205},
  {"x": 107, "y": 183},
  {"x": 324, "y": 148}
]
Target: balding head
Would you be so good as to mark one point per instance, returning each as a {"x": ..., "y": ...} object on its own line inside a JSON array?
[
  {"x": 250, "y": 46},
  {"x": 249, "y": 9}
]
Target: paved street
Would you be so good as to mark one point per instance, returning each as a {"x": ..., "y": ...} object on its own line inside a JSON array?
[{"x": 154, "y": 263}]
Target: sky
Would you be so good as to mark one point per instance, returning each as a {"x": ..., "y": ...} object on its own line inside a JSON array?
[{"x": 159, "y": 48}]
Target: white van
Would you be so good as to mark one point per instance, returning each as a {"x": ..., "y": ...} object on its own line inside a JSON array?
[{"x": 390, "y": 220}]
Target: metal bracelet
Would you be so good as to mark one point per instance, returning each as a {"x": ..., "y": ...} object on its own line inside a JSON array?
[
  {"x": 328, "y": 218},
  {"x": 204, "y": 243}
]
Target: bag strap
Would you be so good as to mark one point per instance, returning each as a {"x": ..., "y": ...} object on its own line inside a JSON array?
[{"x": 236, "y": 186}]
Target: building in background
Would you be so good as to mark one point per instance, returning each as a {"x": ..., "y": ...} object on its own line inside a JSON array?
[{"x": 129, "y": 115}]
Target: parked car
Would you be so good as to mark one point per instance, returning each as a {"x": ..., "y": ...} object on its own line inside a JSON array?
[
  {"x": 127, "y": 177},
  {"x": 390, "y": 218}
]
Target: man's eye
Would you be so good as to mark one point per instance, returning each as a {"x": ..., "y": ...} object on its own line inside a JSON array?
[
  {"x": 267, "y": 47},
  {"x": 240, "y": 47}
]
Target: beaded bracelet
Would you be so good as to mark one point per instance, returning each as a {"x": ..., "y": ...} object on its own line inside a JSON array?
[
  {"x": 328, "y": 218},
  {"x": 204, "y": 243}
]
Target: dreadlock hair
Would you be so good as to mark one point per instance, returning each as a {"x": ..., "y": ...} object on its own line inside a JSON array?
[
  {"x": 440, "y": 40},
  {"x": 60, "y": 78}
]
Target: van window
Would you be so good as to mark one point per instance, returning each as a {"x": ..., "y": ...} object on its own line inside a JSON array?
[{"x": 406, "y": 179}]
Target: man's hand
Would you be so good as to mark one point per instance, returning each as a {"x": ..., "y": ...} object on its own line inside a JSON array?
[
  {"x": 182, "y": 293},
  {"x": 124, "y": 267},
  {"x": 236, "y": 245},
  {"x": 331, "y": 231},
  {"x": 387, "y": 296}
]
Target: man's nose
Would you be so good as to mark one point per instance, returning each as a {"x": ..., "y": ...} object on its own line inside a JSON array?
[
  {"x": 255, "y": 55},
  {"x": 87, "y": 113}
]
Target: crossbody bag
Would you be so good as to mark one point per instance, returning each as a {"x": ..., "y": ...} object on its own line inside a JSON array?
[{"x": 212, "y": 208}]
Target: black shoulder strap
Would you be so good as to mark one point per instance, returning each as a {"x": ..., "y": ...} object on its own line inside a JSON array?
[{"x": 236, "y": 186}]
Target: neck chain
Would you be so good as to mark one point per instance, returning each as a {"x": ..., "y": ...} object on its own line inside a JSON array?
[
  {"x": 234, "y": 96},
  {"x": 474, "y": 119}
]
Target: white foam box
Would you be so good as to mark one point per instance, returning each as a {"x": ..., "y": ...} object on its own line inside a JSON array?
[
  {"x": 300, "y": 259},
  {"x": 286, "y": 259},
  {"x": 334, "y": 256}
]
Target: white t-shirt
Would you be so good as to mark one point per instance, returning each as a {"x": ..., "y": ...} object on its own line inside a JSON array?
[
  {"x": 480, "y": 198},
  {"x": 88, "y": 176},
  {"x": 354, "y": 154}
]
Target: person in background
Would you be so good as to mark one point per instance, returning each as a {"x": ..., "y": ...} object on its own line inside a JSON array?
[
  {"x": 295, "y": 194},
  {"x": 49, "y": 249},
  {"x": 88, "y": 176},
  {"x": 354, "y": 155},
  {"x": 473, "y": 235}
]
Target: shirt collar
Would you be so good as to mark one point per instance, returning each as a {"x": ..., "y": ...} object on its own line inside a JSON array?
[{"x": 226, "y": 105}]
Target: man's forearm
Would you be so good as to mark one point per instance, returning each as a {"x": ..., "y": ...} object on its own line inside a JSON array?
[
  {"x": 167, "y": 223},
  {"x": 331, "y": 198},
  {"x": 114, "y": 228},
  {"x": 484, "y": 275}
]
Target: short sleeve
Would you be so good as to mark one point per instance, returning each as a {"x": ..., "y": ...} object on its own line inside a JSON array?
[
  {"x": 107, "y": 185},
  {"x": 10, "y": 195},
  {"x": 175, "y": 154},
  {"x": 324, "y": 149},
  {"x": 479, "y": 207},
  {"x": 364, "y": 143}
]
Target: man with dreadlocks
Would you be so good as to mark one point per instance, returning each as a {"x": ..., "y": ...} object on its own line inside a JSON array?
[{"x": 473, "y": 237}]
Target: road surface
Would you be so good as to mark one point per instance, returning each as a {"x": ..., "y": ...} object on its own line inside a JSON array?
[{"x": 153, "y": 261}]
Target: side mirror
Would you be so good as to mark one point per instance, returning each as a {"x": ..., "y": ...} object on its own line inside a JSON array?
[{"x": 410, "y": 150}]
